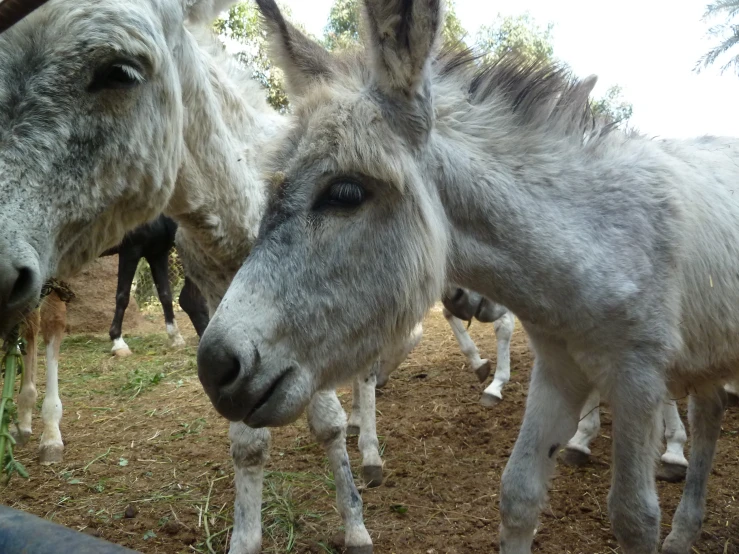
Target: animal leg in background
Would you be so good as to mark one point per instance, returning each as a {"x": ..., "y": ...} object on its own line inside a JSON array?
[
  {"x": 480, "y": 366},
  {"x": 327, "y": 421},
  {"x": 53, "y": 325},
  {"x": 705, "y": 412},
  {"x": 369, "y": 444},
  {"x": 504, "y": 327},
  {"x": 128, "y": 260},
  {"x": 193, "y": 304},
  {"x": 160, "y": 273},
  {"x": 28, "y": 393}
]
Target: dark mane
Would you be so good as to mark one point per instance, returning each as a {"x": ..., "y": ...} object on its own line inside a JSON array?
[{"x": 537, "y": 91}]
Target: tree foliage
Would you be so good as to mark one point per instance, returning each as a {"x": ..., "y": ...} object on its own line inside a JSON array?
[
  {"x": 613, "y": 107},
  {"x": 516, "y": 34},
  {"x": 726, "y": 32},
  {"x": 243, "y": 26}
]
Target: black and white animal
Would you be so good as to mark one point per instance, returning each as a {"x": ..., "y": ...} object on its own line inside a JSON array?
[{"x": 153, "y": 241}]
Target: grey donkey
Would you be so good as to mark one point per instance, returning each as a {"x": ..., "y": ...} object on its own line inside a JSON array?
[{"x": 405, "y": 168}]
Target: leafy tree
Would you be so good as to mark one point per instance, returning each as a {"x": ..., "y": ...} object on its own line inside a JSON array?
[
  {"x": 516, "y": 34},
  {"x": 243, "y": 25},
  {"x": 727, "y": 33},
  {"x": 613, "y": 107}
]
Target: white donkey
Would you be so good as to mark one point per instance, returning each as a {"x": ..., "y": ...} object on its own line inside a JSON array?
[
  {"x": 110, "y": 113},
  {"x": 404, "y": 170}
]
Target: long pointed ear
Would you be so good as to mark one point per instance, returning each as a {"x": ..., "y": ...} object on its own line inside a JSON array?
[
  {"x": 204, "y": 12},
  {"x": 403, "y": 35},
  {"x": 303, "y": 60}
]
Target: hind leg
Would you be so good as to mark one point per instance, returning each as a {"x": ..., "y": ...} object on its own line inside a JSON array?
[
  {"x": 480, "y": 366},
  {"x": 28, "y": 393},
  {"x": 194, "y": 305},
  {"x": 53, "y": 324},
  {"x": 577, "y": 451},
  {"x": 504, "y": 327},
  {"x": 327, "y": 422},
  {"x": 160, "y": 273},
  {"x": 673, "y": 465},
  {"x": 705, "y": 412},
  {"x": 369, "y": 444},
  {"x": 128, "y": 260}
]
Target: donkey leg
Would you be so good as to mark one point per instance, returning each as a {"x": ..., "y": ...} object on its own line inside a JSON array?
[
  {"x": 636, "y": 397},
  {"x": 28, "y": 393},
  {"x": 53, "y": 324},
  {"x": 194, "y": 305},
  {"x": 705, "y": 412},
  {"x": 673, "y": 465},
  {"x": 577, "y": 451},
  {"x": 160, "y": 273},
  {"x": 556, "y": 394},
  {"x": 128, "y": 259},
  {"x": 504, "y": 327},
  {"x": 327, "y": 422},
  {"x": 355, "y": 417},
  {"x": 249, "y": 451},
  {"x": 368, "y": 443},
  {"x": 467, "y": 346}
]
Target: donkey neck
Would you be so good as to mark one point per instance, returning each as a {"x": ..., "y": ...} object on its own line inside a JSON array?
[
  {"x": 219, "y": 196},
  {"x": 525, "y": 223}
]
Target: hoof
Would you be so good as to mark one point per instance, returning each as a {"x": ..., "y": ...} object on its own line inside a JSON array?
[
  {"x": 122, "y": 352},
  {"x": 352, "y": 430},
  {"x": 732, "y": 400},
  {"x": 489, "y": 400},
  {"x": 372, "y": 476},
  {"x": 574, "y": 458},
  {"x": 177, "y": 342},
  {"x": 380, "y": 384},
  {"x": 483, "y": 371},
  {"x": 21, "y": 437},
  {"x": 675, "y": 546},
  {"x": 51, "y": 454},
  {"x": 364, "y": 549},
  {"x": 672, "y": 473}
]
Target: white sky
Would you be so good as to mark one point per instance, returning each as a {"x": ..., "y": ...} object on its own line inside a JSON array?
[{"x": 649, "y": 47}]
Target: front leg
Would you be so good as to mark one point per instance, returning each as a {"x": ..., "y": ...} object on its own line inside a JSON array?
[
  {"x": 327, "y": 422},
  {"x": 249, "y": 451},
  {"x": 467, "y": 346},
  {"x": 28, "y": 394},
  {"x": 705, "y": 412},
  {"x": 128, "y": 260},
  {"x": 355, "y": 417},
  {"x": 504, "y": 327},
  {"x": 556, "y": 394},
  {"x": 673, "y": 466},
  {"x": 53, "y": 324}
]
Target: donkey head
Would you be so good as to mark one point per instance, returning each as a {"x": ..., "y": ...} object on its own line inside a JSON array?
[
  {"x": 350, "y": 252},
  {"x": 91, "y": 132}
]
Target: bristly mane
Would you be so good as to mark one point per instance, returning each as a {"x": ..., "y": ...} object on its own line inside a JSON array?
[{"x": 539, "y": 92}]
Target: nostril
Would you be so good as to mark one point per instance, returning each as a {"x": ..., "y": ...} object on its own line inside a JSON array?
[
  {"x": 229, "y": 372},
  {"x": 23, "y": 288}
]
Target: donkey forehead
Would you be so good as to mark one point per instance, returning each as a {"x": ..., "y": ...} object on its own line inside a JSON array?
[
  {"x": 76, "y": 28},
  {"x": 345, "y": 131}
]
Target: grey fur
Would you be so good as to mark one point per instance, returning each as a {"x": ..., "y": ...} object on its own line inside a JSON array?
[{"x": 617, "y": 253}]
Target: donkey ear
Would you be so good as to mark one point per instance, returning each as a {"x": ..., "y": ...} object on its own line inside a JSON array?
[
  {"x": 303, "y": 60},
  {"x": 403, "y": 35},
  {"x": 205, "y": 11}
]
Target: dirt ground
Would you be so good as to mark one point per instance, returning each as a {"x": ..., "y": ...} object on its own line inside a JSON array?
[{"x": 143, "y": 441}]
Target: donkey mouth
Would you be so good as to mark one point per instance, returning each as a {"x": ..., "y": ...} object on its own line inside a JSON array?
[{"x": 275, "y": 405}]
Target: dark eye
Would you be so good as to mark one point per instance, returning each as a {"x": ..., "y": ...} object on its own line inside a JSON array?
[
  {"x": 342, "y": 194},
  {"x": 117, "y": 76}
]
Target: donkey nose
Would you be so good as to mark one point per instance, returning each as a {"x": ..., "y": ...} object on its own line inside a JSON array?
[
  {"x": 224, "y": 373},
  {"x": 20, "y": 286}
]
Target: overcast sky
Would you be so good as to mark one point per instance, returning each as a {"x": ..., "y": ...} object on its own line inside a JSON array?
[{"x": 649, "y": 47}]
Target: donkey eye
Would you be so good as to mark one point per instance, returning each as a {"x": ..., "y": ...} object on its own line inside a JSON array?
[
  {"x": 343, "y": 194},
  {"x": 117, "y": 76}
]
